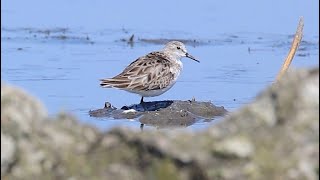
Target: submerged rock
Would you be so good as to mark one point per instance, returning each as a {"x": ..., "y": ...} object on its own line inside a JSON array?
[{"x": 275, "y": 137}]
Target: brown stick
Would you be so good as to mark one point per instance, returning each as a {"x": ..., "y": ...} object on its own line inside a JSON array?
[{"x": 294, "y": 47}]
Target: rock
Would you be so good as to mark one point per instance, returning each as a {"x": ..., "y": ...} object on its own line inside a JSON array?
[
  {"x": 19, "y": 110},
  {"x": 274, "y": 137},
  {"x": 163, "y": 114},
  {"x": 8, "y": 153},
  {"x": 234, "y": 147}
]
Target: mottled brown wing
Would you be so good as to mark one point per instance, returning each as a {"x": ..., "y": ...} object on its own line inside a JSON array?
[{"x": 150, "y": 72}]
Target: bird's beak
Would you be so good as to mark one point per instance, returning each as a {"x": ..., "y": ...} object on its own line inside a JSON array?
[{"x": 191, "y": 57}]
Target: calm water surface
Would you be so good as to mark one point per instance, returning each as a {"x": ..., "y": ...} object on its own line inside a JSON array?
[{"x": 58, "y": 50}]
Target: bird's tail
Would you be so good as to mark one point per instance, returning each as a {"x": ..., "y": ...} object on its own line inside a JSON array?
[{"x": 117, "y": 83}]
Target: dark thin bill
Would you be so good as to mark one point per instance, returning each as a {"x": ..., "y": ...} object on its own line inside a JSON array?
[{"x": 191, "y": 57}]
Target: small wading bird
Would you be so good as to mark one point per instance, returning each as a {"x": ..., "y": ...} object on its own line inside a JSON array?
[{"x": 152, "y": 74}]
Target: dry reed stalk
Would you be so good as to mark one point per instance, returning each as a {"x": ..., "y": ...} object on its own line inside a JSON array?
[{"x": 294, "y": 47}]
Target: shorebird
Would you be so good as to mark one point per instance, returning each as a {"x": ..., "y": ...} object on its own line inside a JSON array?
[{"x": 152, "y": 74}]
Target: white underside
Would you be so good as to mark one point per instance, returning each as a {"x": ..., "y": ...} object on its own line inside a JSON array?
[{"x": 151, "y": 93}]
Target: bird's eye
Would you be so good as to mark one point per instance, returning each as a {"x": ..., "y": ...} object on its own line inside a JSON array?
[{"x": 178, "y": 47}]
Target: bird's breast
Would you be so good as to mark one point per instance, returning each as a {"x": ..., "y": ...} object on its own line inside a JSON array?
[{"x": 176, "y": 69}]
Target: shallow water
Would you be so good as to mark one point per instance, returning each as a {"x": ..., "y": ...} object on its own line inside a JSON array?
[{"x": 59, "y": 50}]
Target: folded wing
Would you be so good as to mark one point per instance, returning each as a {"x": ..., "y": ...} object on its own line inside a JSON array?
[{"x": 150, "y": 72}]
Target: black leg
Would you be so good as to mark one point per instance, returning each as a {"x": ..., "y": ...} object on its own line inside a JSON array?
[
  {"x": 141, "y": 127},
  {"x": 143, "y": 104}
]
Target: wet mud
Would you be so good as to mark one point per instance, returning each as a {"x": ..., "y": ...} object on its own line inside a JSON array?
[{"x": 169, "y": 113}]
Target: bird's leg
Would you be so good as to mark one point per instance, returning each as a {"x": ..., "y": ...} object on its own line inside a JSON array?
[{"x": 143, "y": 104}]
